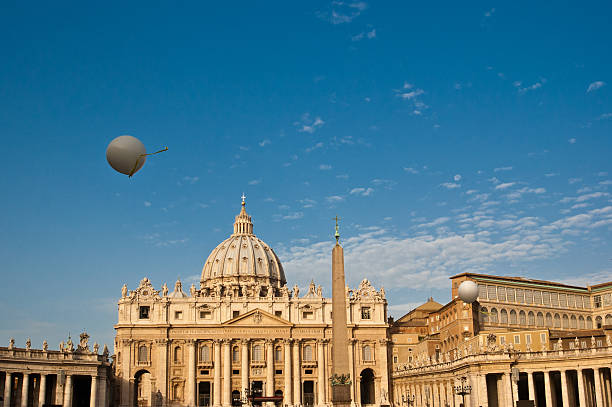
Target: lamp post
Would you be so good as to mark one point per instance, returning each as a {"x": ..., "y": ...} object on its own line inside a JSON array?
[
  {"x": 462, "y": 390},
  {"x": 407, "y": 399}
]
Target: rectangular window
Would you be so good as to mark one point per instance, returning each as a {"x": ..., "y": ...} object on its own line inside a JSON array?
[
  {"x": 554, "y": 299},
  {"x": 520, "y": 296},
  {"x": 365, "y": 312},
  {"x": 492, "y": 292},
  {"x": 537, "y": 297},
  {"x": 278, "y": 371},
  {"x": 517, "y": 339},
  {"x": 571, "y": 345},
  {"x": 510, "y": 294},
  {"x": 205, "y": 314},
  {"x": 178, "y": 314},
  {"x": 607, "y": 299},
  {"x": 235, "y": 314},
  {"x": 571, "y": 301},
  {"x": 528, "y": 297},
  {"x": 597, "y": 301},
  {"x": 205, "y": 372},
  {"x": 546, "y": 298},
  {"x": 543, "y": 338},
  {"x": 587, "y": 302},
  {"x": 502, "y": 340},
  {"x": 308, "y": 315},
  {"x": 307, "y": 371},
  {"x": 278, "y": 314},
  {"x": 562, "y": 300},
  {"x": 144, "y": 312},
  {"x": 394, "y": 358},
  {"x": 501, "y": 293},
  {"x": 579, "y": 301},
  {"x": 528, "y": 339},
  {"x": 482, "y": 292}
]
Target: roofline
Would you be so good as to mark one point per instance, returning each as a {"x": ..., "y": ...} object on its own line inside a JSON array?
[{"x": 522, "y": 281}]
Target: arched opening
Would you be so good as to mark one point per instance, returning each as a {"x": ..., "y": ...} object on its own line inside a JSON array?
[
  {"x": 367, "y": 386},
  {"x": 236, "y": 398},
  {"x": 142, "y": 389}
]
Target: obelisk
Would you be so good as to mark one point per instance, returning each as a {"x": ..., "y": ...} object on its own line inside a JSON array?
[{"x": 340, "y": 363}]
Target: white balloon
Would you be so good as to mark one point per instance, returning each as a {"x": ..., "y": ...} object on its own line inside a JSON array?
[
  {"x": 126, "y": 154},
  {"x": 468, "y": 291}
]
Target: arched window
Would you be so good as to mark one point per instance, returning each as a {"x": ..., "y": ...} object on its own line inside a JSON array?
[
  {"x": 540, "y": 319},
  {"x": 608, "y": 319},
  {"x": 522, "y": 318},
  {"x": 308, "y": 352},
  {"x": 503, "y": 316},
  {"x": 143, "y": 353},
  {"x": 531, "y": 318},
  {"x": 484, "y": 315},
  {"x": 565, "y": 321},
  {"x": 573, "y": 322},
  {"x": 557, "y": 321},
  {"x": 235, "y": 354},
  {"x": 598, "y": 322},
  {"x": 494, "y": 316},
  {"x": 178, "y": 355},
  {"x": 278, "y": 354},
  {"x": 367, "y": 353},
  {"x": 258, "y": 353},
  {"x": 580, "y": 322},
  {"x": 205, "y": 353},
  {"x": 589, "y": 323},
  {"x": 549, "y": 320},
  {"x": 512, "y": 317}
]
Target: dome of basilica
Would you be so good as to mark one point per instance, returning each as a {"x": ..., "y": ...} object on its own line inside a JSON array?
[{"x": 243, "y": 265}]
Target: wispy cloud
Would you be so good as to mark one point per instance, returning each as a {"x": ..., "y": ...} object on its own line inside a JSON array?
[
  {"x": 502, "y": 169},
  {"x": 147, "y": 204},
  {"x": 325, "y": 167},
  {"x": 308, "y": 125},
  {"x": 364, "y": 34},
  {"x": 572, "y": 140},
  {"x": 505, "y": 185},
  {"x": 525, "y": 89},
  {"x": 255, "y": 181},
  {"x": 264, "y": 142},
  {"x": 489, "y": 13},
  {"x": 342, "y": 12},
  {"x": 362, "y": 191},
  {"x": 190, "y": 180},
  {"x": 595, "y": 85},
  {"x": 334, "y": 199},
  {"x": 450, "y": 185}
]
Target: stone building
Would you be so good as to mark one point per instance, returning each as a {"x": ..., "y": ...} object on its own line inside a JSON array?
[
  {"x": 72, "y": 376},
  {"x": 244, "y": 329},
  {"x": 522, "y": 340}
]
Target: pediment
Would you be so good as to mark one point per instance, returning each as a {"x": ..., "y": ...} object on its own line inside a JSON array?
[{"x": 257, "y": 317}]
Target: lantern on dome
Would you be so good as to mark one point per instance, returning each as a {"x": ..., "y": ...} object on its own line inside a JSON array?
[{"x": 127, "y": 154}]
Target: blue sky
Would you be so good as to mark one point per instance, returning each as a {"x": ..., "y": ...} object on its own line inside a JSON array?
[{"x": 449, "y": 137}]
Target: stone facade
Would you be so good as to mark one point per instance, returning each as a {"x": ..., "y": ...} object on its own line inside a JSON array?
[{"x": 243, "y": 330}]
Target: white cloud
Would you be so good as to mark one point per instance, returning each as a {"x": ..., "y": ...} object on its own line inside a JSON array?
[
  {"x": 572, "y": 140},
  {"x": 315, "y": 147},
  {"x": 502, "y": 169},
  {"x": 264, "y": 142},
  {"x": 361, "y": 191},
  {"x": 191, "y": 180},
  {"x": 294, "y": 216},
  {"x": 342, "y": 12},
  {"x": 595, "y": 85},
  {"x": 489, "y": 13},
  {"x": 147, "y": 204},
  {"x": 308, "y": 125},
  {"x": 585, "y": 197},
  {"x": 334, "y": 199},
  {"x": 574, "y": 180},
  {"x": 457, "y": 177},
  {"x": 364, "y": 34},
  {"x": 411, "y": 170},
  {"x": 412, "y": 94},
  {"x": 450, "y": 185},
  {"x": 605, "y": 116},
  {"x": 505, "y": 185},
  {"x": 325, "y": 167},
  {"x": 535, "y": 86},
  {"x": 255, "y": 181},
  {"x": 435, "y": 222}
]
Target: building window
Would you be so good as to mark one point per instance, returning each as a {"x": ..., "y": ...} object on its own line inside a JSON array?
[
  {"x": 482, "y": 292},
  {"x": 494, "y": 315},
  {"x": 537, "y": 297},
  {"x": 235, "y": 314},
  {"x": 598, "y": 321},
  {"x": 510, "y": 295},
  {"x": 565, "y": 321},
  {"x": 522, "y": 318},
  {"x": 278, "y": 354},
  {"x": 178, "y": 354},
  {"x": 543, "y": 338},
  {"x": 278, "y": 314},
  {"x": 235, "y": 371},
  {"x": 549, "y": 320},
  {"x": 540, "y": 319},
  {"x": 504, "y": 317},
  {"x": 258, "y": 353},
  {"x": 531, "y": 318},
  {"x": 597, "y": 301},
  {"x": 205, "y": 315},
  {"x": 484, "y": 315},
  {"x": 235, "y": 354},
  {"x": 394, "y": 358},
  {"x": 205, "y": 354},
  {"x": 367, "y": 353},
  {"x": 512, "y": 317},
  {"x": 365, "y": 312},
  {"x": 502, "y": 340},
  {"x": 308, "y": 315},
  {"x": 581, "y": 322},
  {"x": 308, "y": 353},
  {"x": 520, "y": 296},
  {"x": 492, "y": 291},
  {"x": 143, "y": 354},
  {"x": 608, "y": 319},
  {"x": 528, "y": 339},
  {"x": 557, "y": 321},
  {"x": 528, "y": 296},
  {"x": 501, "y": 293},
  {"x": 589, "y": 323},
  {"x": 144, "y": 312},
  {"x": 563, "y": 300},
  {"x": 178, "y": 314},
  {"x": 517, "y": 339}
]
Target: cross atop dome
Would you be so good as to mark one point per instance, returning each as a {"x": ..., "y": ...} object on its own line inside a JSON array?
[
  {"x": 243, "y": 198},
  {"x": 243, "y": 224}
]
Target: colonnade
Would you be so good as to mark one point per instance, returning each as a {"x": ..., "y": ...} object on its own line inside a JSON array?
[{"x": 63, "y": 391}]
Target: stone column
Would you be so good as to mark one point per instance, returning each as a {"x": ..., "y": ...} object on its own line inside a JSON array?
[
  {"x": 191, "y": 362},
  {"x": 351, "y": 356},
  {"x": 217, "y": 375},
  {"x": 270, "y": 370},
  {"x": 162, "y": 369},
  {"x": 287, "y": 396},
  {"x": 515, "y": 395},
  {"x": 126, "y": 351},
  {"x": 102, "y": 389},
  {"x": 93, "y": 393},
  {"x": 384, "y": 374},
  {"x": 581, "y": 394},
  {"x": 547, "y": 389},
  {"x": 297, "y": 376},
  {"x": 564, "y": 393},
  {"x": 320, "y": 373},
  {"x": 25, "y": 386},
  {"x": 42, "y": 389},
  {"x": 597, "y": 379},
  {"x": 531, "y": 386},
  {"x": 7, "y": 390},
  {"x": 227, "y": 374},
  {"x": 244, "y": 353},
  {"x": 68, "y": 391}
]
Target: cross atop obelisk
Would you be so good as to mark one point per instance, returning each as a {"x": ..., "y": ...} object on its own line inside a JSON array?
[{"x": 337, "y": 234}]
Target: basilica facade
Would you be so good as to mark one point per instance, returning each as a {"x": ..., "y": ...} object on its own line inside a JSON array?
[{"x": 244, "y": 334}]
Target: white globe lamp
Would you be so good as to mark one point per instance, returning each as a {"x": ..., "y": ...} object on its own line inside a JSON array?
[
  {"x": 126, "y": 154},
  {"x": 468, "y": 291}
]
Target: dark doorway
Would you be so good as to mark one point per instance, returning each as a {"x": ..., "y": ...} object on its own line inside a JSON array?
[
  {"x": 142, "y": 389},
  {"x": 257, "y": 391},
  {"x": 308, "y": 392},
  {"x": 555, "y": 383},
  {"x": 204, "y": 394},
  {"x": 278, "y": 393},
  {"x": 80, "y": 391},
  {"x": 236, "y": 398},
  {"x": 367, "y": 386},
  {"x": 523, "y": 387},
  {"x": 492, "y": 390}
]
